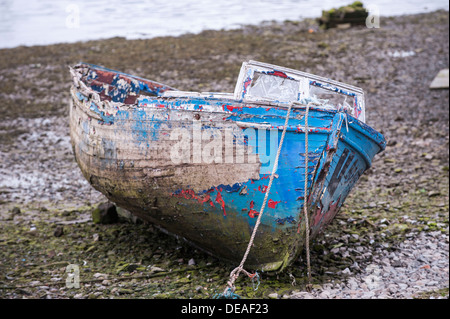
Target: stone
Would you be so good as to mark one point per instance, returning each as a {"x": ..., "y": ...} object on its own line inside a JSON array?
[
  {"x": 105, "y": 213},
  {"x": 96, "y": 237},
  {"x": 346, "y": 271},
  {"x": 124, "y": 291},
  {"x": 58, "y": 231}
]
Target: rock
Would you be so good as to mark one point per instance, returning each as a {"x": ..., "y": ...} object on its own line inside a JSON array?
[
  {"x": 273, "y": 295},
  {"x": 33, "y": 231},
  {"x": 96, "y": 237},
  {"x": 100, "y": 275},
  {"x": 105, "y": 213},
  {"x": 403, "y": 286},
  {"x": 12, "y": 213},
  {"x": 124, "y": 291},
  {"x": 434, "y": 193},
  {"x": 154, "y": 269},
  {"x": 106, "y": 282},
  {"x": 398, "y": 264},
  {"x": 58, "y": 231},
  {"x": 125, "y": 215},
  {"x": 127, "y": 268},
  {"x": 191, "y": 262},
  {"x": 346, "y": 271},
  {"x": 352, "y": 14}
]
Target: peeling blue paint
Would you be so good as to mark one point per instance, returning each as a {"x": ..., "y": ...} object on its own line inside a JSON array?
[{"x": 106, "y": 118}]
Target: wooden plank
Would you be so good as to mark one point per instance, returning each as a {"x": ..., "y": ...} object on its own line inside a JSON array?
[{"x": 441, "y": 80}]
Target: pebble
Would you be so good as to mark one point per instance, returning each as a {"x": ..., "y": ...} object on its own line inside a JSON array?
[
  {"x": 105, "y": 213},
  {"x": 58, "y": 231},
  {"x": 386, "y": 278}
]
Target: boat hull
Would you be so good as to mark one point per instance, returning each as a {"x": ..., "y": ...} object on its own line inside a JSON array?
[{"x": 132, "y": 156}]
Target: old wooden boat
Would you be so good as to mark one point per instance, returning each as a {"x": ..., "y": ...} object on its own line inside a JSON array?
[{"x": 197, "y": 164}]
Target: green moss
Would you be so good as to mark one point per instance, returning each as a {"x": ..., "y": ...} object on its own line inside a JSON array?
[
  {"x": 440, "y": 293},
  {"x": 357, "y": 5}
]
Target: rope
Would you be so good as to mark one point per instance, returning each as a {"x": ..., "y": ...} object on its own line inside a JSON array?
[
  {"x": 229, "y": 291},
  {"x": 305, "y": 201}
]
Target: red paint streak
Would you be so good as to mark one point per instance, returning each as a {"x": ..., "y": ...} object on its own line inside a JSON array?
[
  {"x": 231, "y": 108},
  {"x": 265, "y": 177},
  {"x": 272, "y": 203},
  {"x": 252, "y": 213},
  {"x": 190, "y": 194},
  {"x": 206, "y": 199},
  {"x": 221, "y": 202},
  {"x": 262, "y": 189},
  {"x": 279, "y": 73},
  {"x": 246, "y": 84}
]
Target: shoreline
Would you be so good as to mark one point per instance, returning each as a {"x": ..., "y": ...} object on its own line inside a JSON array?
[
  {"x": 264, "y": 23},
  {"x": 400, "y": 206}
]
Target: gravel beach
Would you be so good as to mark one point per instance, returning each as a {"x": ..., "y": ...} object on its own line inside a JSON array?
[{"x": 389, "y": 241}]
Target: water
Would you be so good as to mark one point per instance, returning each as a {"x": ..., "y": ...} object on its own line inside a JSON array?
[{"x": 42, "y": 22}]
